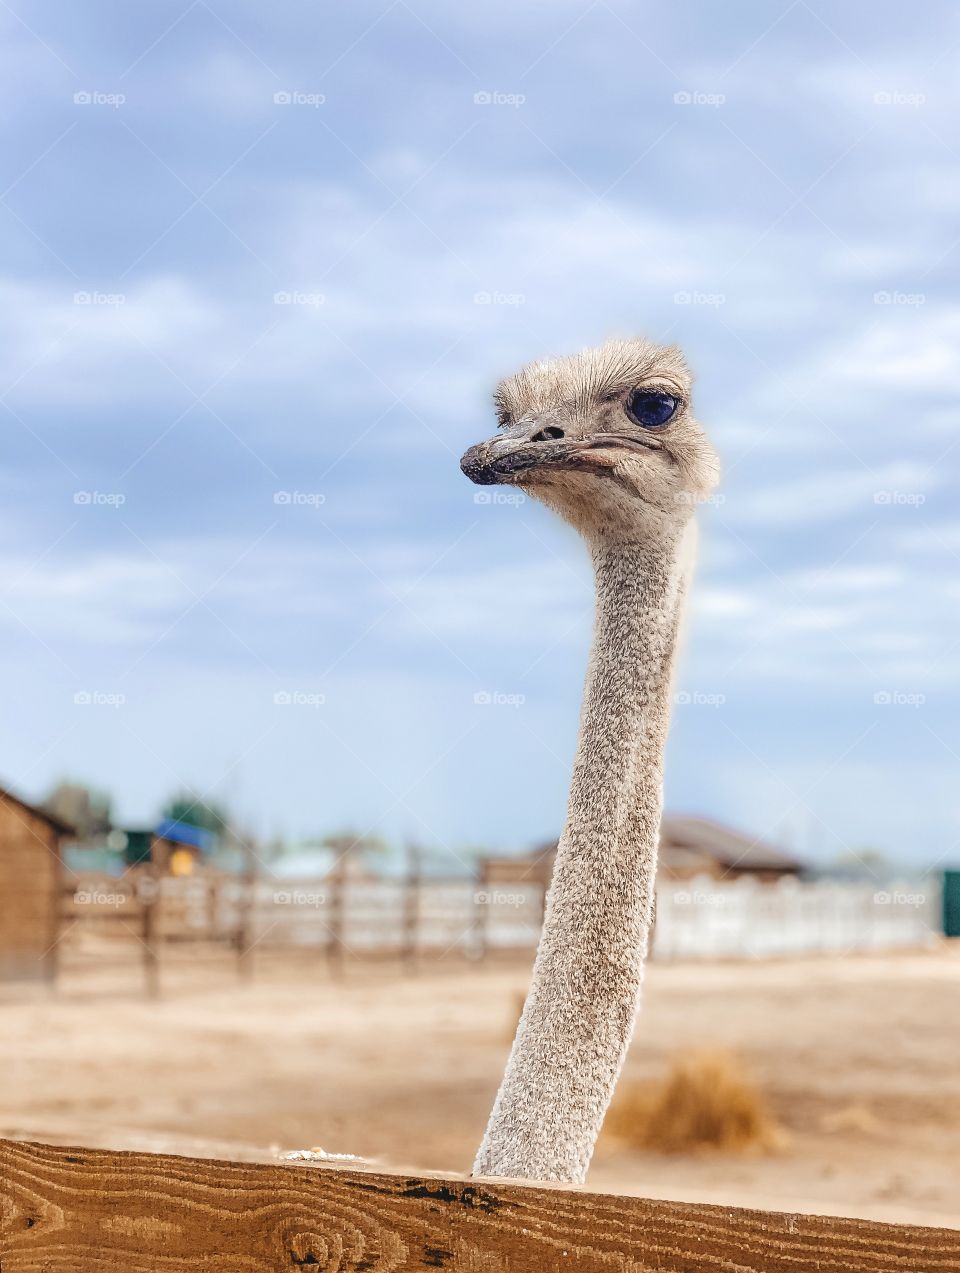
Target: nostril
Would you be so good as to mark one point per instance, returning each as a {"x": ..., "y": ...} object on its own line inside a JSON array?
[{"x": 549, "y": 434}]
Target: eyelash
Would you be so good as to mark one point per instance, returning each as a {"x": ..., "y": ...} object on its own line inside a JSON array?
[
  {"x": 672, "y": 393},
  {"x": 504, "y": 418}
]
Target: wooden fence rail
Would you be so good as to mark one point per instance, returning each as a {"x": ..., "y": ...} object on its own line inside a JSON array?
[{"x": 99, "y": 1211}]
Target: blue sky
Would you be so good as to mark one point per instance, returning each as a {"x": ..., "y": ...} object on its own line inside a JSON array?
[{"x": 261, "y": 268}]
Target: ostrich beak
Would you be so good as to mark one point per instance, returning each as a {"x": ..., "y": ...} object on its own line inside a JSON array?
[{"x": 514, "y": 451}]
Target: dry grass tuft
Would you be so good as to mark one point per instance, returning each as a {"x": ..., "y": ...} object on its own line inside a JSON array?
[{"x": 706, "y": 1102}]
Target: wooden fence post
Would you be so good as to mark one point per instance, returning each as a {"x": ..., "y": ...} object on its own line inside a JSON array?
[
  {"x": 246, "y": 914},
  {"x": 481, "y": 909},
  {"x": 148, "y": 891},
  {"x": 336, "y": 882},
  {"x": 51, "y": 956},
  {"x": 411, "y": 907}
]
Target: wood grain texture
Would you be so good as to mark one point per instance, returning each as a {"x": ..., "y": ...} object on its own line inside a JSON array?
[{"x": 99, "y": 1211}]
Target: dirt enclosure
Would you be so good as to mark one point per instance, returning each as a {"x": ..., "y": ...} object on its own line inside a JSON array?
[{"x": 857, "y": 1058}]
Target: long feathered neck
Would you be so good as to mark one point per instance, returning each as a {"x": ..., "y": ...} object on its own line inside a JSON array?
[{"x": 579, "y": 1014}]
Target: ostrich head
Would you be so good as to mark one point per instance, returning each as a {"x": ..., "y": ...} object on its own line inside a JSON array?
[{"x": 605, "y": 437}]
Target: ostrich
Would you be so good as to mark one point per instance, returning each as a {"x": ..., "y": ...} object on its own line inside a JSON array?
[{"x": 607, "y": 439}]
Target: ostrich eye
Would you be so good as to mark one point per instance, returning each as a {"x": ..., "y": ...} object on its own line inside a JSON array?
[{"x": 651, "y": 408}]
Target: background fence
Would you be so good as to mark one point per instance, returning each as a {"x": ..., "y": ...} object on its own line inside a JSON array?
[
  {"x": 698, "y": 919},
  {"x": 744, "y": 920}
]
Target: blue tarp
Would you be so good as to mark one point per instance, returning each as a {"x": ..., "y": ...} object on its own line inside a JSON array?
[{"x": 184, "y": 833}]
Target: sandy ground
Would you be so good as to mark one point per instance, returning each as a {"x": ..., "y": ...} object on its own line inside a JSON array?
[{"x": 857, "y": 1056}]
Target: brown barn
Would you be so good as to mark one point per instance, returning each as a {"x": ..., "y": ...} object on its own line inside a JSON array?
[
  {"x": 31, "y": 882},
  {"x": 688, "y": 847}
]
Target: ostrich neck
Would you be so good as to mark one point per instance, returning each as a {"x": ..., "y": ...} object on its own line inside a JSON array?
[{"x": 579, "y": 1014}]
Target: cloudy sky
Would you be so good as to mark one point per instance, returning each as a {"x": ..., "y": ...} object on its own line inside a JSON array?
[{"x": 261, "y": 268}]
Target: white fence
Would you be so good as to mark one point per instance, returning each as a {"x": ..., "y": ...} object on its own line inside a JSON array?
[
  {"x": 704, "y": 919},
  {"x": 699, "y": 919},
  {"x": 380, "y": 916}
]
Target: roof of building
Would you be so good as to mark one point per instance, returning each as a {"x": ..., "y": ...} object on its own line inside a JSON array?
[
  {"x": 723, "y": 844},
  {"x": 58, "y": 824},
  {"x": 680, "y": 858},
  {"x": 690, "y": 842},
  {"x": 184, "y": 833}
]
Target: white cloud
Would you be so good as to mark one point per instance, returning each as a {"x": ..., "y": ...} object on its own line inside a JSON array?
[
  {"x": 849, "y": 579},
  {"x": 910, "y": 347},
  {"x": 724, "y": 602},
  {"x": 932, "y": 537},
  {"x": 537, "y": 603},
  {"x": 832, "y": 495},
  {"x": 108, "y": 597}
]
